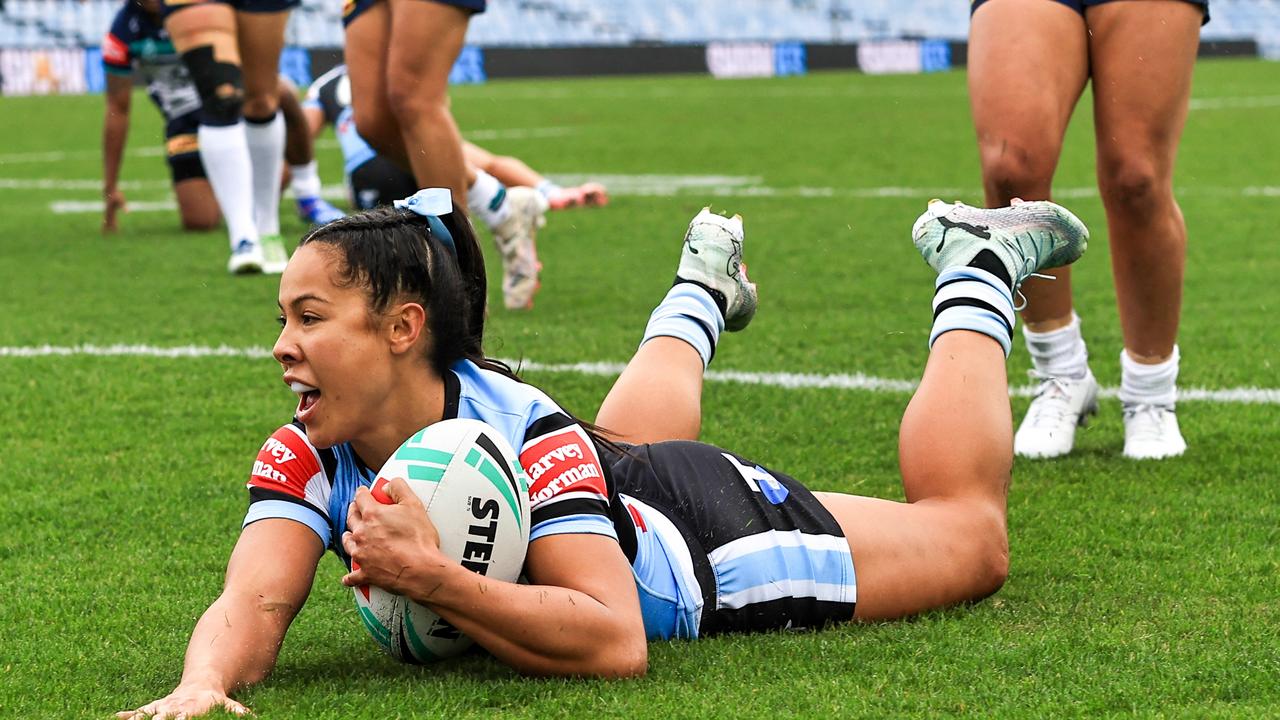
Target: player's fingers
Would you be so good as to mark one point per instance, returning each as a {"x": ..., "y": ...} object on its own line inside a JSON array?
[
  {"x": 359, "y": 504},
  {"x": 349, "y": 543},
  {"x": 400, "y": 492},
  {"x": 354, "y": 578}
]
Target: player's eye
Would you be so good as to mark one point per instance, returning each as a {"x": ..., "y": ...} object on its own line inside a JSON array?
[
  {"x": 280, "y": 319},
  {"x": 309, "y": 319}
]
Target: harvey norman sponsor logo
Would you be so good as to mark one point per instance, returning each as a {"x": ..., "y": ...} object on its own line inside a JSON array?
[{"x": 559, "y": 462}]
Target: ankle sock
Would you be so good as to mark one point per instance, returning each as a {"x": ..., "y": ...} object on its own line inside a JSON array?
[
  {"x": 1149, "y": 384},
  {"x": 547, "y": 188},
  {"x": 305, "y": 181},
  {"x": 688, "y": 313},
  {"x": 970, "y": 298},
  {"x": 487, "y": 200},
  {"x": 1059, "y": 353}
]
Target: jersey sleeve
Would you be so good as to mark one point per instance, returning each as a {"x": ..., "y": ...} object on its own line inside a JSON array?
[
  {"x": 115, "y": 55},
  {"x": 288, "y": 481},
  {"x": 568, "y": 487}
]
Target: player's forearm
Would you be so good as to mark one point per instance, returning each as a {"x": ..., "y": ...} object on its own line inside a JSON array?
[
  {"x": 537, "y": 629},
  {"x": 235, "y": 642}
]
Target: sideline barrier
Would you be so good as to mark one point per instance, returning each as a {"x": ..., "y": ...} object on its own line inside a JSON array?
[{"x": 75, "y": 70}]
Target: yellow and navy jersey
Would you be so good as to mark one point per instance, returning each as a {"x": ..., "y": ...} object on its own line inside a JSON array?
[{"x": 138, "y": 42}]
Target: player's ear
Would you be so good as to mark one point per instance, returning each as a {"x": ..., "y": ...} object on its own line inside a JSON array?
[{"x": 406, "y": 323}]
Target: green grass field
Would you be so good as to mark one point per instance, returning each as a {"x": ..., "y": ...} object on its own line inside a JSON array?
[{"x": 1136, "y": 589}]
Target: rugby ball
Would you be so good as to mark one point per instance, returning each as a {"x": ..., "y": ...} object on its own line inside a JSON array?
[{"x": 477, "y": 496}]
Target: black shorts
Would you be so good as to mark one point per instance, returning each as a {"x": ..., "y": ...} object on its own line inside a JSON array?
[
  {"x": 352, "y": 9},
  {"x": 182, "y": 147},
  {"x": 168, "y": 7},
  {"x": 1080, "y": 5},
  {"x": 765, "y": 552},
  {"x": 379, "y": 182}
]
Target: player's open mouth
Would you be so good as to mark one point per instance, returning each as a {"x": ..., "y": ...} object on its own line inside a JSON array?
[{"x": 307, "y": 399}]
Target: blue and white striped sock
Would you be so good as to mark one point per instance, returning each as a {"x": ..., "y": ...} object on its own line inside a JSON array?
[
  {"x": 688, "y": 313},
  {"x": 970, "y": 298}
]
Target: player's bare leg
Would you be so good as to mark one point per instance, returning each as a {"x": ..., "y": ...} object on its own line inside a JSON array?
[
  {"x": 948, "y": 543},
  {"x": 659, "y": 394},
  {"x": 1028, "y": 63},
  {"x": 1021, "y": 116},
  {"x": 417, "y": 89},
  {"x": 197, "y": 207},
  {"x": 1143, "y": 56},
  {"x": 299, "y": 144}
]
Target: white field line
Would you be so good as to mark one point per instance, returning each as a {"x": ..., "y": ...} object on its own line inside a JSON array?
[
  {"x": 786, "y": 381},
  {"x": 1232, "y": 103},
  {"x": 56, "y": 156},
  {"x": 1200, "y": 103},
  {"x": 740, "y": 186}
]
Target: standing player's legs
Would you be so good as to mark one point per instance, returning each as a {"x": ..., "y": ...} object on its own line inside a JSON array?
[
  {"x": 365, "y": 54},
  {"x": 1028, "y": 63},
  {"x": 1143, "y": 54},
  {"x": 205, "y": 35},
  {"x": 659, "y": 394},
  {"x": 261, "y": 40},
  {"x": 417, "y": 88}
]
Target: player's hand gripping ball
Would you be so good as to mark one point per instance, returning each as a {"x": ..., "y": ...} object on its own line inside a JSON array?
[{"x": 476, "y": 494}]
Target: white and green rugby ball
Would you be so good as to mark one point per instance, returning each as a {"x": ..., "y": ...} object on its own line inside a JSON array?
[{"x": 477, "y": 496}]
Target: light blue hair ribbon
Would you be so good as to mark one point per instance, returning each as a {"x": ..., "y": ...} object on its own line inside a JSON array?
[{"x": 431, "y": 203}]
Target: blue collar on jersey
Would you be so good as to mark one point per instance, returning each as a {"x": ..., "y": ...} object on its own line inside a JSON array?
[{"x": 431, "y": 203}]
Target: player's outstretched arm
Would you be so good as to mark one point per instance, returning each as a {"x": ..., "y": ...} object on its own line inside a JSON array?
[
  {"x": 236, "y": 641},
  {"x": 115, "y": 130},
  {"x": 580, "y": 617}
]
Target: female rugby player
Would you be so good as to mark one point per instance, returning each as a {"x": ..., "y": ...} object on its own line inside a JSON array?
[
  {"x": 232, "y": 50},
  {"x": 382, "y": 317},
  {"x": 1029, "y": 61},
  {"x": 138, "y": 41},
  {"x": 398, "y": 56}
]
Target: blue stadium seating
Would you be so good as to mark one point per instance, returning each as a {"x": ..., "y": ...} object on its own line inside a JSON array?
[{"x": 540, "y": 23}]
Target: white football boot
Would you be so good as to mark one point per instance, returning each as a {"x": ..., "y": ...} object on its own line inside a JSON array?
[
  {"x": 1025, "y": 237},
  {"x": 1060, "y": 406},
  {"x": 246, "y": 258},
  {"x": 1151, "y": 432},
  {"x": 712, "y": 258},
  {"x": 274, "y": 257},
  {"x": 516, "y": 238}
]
